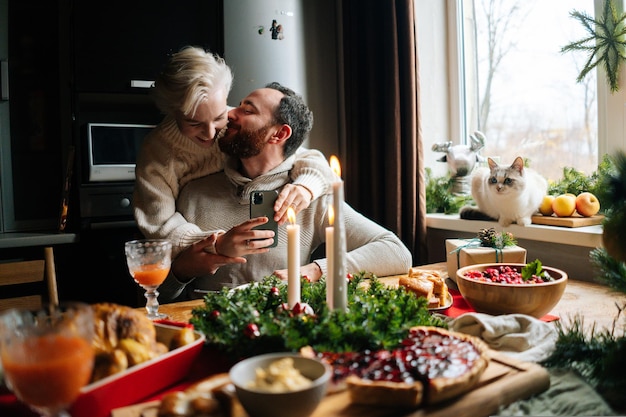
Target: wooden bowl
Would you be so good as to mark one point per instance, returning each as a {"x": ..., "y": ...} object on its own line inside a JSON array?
[{"x": 535, "y": 300}]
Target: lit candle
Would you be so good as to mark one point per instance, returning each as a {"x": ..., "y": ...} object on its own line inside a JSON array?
[
  {"x": 330, "y": 240},
  {"x": 339, "y": 287},
  {"x": 293, "y": 259}
]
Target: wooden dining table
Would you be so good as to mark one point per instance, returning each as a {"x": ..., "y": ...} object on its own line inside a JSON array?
[{"x": 505, "y": 381}]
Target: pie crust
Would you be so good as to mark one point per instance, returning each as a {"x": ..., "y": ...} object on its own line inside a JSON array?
[{"x": 431, "y": 365}]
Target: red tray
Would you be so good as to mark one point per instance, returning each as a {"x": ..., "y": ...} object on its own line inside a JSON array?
[{"x": 140, "y": 381}]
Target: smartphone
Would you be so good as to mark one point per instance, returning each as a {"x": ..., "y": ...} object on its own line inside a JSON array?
[{"x": 262, "y": 204}]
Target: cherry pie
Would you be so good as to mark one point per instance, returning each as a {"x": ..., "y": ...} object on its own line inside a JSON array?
[{"x": 431, "y": 365}]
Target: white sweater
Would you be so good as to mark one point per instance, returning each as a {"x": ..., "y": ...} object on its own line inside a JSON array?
[
  {"x": 221, "y": 201},
  {"x": 168, "y": 160}
]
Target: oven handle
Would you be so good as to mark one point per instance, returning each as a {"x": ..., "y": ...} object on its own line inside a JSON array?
[{"x": 4, "y": 80}]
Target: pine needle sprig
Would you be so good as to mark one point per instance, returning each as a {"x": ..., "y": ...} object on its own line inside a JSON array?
[
  {"x": 599, "y": 356},
  {"x": 615, "y": 182},
  {"x": 610, "y": 271},
  {"x": 605, "y": 44}
]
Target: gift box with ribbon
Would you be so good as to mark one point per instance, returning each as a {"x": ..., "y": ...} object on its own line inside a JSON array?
[{"x": 463, "y": 252}]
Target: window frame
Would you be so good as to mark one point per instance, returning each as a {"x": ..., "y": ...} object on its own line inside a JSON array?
[{"x": 611, "y": 107}]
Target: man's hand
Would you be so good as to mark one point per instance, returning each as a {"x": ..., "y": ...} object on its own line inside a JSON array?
[
  {"x": 296, "y": 196},
  {"x": 311, "y": 271},
  {"x": 243, "y": 240}
]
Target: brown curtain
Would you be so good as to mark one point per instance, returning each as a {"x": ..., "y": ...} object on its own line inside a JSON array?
[{"x": 382, "y": 157}]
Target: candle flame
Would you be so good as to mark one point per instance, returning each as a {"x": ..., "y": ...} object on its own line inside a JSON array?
[
  {"x": 331, "y": 215},
  {"x": 291, "y": 215},
  {"x": 334, "y": 165}
]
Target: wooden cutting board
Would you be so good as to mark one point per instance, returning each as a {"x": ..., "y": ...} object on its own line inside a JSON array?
[
  {"x": 505, "y": 380},
  {"x": 573, "y": 221}
]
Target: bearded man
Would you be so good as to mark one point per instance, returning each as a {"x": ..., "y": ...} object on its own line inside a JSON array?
[{"x": 261, "y": 138}]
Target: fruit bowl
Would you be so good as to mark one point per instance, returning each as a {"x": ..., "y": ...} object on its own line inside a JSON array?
[
  {"x": 259, "y": 402},
  {"x": 535, "y": 299}
]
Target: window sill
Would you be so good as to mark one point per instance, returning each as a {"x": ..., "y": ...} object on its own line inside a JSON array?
[
  {"x": 560, "y": 247},
  {"x": 588, "y": 236}
]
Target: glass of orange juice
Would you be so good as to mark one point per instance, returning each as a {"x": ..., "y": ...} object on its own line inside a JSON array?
[
  {"x": 149, "y": 262},
  {"x": 47, "y": 355}
]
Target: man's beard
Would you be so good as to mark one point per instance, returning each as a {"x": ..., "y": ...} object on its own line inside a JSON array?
[{"x": 244, "y": 144}]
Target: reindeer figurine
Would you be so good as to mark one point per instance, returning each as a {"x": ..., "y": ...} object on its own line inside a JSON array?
[{"x": 461, "y": 160}]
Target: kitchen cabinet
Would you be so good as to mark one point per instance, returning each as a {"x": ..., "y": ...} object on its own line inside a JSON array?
[
  {"x": 35, "y": 112},
  {"x": 120, "y": 44}
]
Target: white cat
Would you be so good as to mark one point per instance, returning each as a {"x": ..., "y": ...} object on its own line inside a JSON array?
[{"x": 508, "y": 194}]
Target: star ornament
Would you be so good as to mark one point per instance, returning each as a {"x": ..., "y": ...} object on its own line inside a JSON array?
[{"x": 606, "y": 43}]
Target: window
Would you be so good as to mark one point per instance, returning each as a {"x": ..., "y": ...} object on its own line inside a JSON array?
[{"x": 521, "y": 91}]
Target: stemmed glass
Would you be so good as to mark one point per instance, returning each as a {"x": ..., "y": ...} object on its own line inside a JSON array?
[
  {"x": 47, "y": 355},
  {"x": 149, "y": 262}
]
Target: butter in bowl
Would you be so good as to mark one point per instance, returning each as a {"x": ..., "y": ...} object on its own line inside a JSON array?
[{"x": 280, "y": 384}]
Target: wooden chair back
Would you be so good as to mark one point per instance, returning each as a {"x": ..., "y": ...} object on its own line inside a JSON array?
[{"x": 28, "y": 283}]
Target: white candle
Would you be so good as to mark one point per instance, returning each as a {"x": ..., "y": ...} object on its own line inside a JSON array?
[
  {"x": 293, "y": 259},
  {"x": 340, "y": 291},
  {"x": 330, "y": 240}
]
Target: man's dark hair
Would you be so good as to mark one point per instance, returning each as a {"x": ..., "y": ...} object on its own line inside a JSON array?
[{"x": 294, "y": 112}]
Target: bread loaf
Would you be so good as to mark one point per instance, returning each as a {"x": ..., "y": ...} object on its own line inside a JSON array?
[{"x": 428, "y": 284}]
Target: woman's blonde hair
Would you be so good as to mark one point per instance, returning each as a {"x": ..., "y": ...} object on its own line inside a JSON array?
[{"x": 190, "y": 76}]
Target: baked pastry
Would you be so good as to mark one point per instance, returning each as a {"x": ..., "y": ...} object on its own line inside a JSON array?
[
  {"x": 431, "y": 365},
  {"x": 114, "y": 322},
  {"x": 214, "y": 396},
  {"x": 123, "y": 337},
  {"x": 415, "y": 281},
  {"x": 420, "y": 287}
]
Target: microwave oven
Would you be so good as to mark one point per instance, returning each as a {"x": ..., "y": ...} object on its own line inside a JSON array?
[{"x": 112, "y": 150}]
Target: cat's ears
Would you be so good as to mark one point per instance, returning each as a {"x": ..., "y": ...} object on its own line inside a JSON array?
[{"x": 518, "y": 164}]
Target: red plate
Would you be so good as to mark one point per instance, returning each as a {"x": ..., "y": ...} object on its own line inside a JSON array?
[{"x": 140, "y": 381}]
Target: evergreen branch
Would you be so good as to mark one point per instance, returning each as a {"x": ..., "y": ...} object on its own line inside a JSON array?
[
  {"x": 605, "y": 44},
  {"x": 598, "y": 356},
  {"x": 611, "y": 271}
]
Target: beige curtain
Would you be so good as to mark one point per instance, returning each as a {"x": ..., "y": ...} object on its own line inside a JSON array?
[{"x": 382, "y": 158}]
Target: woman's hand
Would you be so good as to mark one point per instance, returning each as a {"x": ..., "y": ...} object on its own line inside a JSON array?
[
  {"x": 296, "y": 196},
  {"x": 198, "y": 260},
  {"x": 312, "y": 271}
]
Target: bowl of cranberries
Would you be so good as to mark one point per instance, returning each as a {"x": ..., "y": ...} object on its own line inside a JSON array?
[{"x": 509, "y": 288}]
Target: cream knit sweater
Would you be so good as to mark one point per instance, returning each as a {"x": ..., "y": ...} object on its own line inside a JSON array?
[
  {"x": 168, "y": 160},
  {"x": 221, "y": 201}
]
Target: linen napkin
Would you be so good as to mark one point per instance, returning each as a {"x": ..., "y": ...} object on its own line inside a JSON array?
[{"x": 520, "y": 336}]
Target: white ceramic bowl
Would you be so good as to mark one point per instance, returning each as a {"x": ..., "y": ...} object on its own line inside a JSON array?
[
  {"x": 299, "y": 403},
  {"x": 535, "y": 300}
]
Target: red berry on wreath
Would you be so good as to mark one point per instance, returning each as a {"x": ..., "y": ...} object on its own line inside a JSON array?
[{"x": 252, "y": 331}]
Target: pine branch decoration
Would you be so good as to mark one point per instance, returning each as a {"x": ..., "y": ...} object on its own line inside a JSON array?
[
  {"x": 251, "y": 321},
  {"x": 605, "y": 44}
]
